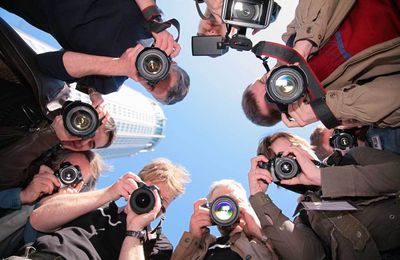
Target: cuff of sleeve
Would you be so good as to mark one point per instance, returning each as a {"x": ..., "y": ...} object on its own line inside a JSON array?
[
  {"x": 306, "y": 32},
  {"x": 263, "y": 205},
  {"x": 334, "y": 184},
  {"x": 52, "y": 63},
  {"x": 15, "y": 202}
]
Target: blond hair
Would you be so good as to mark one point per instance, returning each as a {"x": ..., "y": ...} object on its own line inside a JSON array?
[
  {"x": 230, "y": 184},
  {"x": 264, "y": 147},
  {"x": 163, "y": 170}
]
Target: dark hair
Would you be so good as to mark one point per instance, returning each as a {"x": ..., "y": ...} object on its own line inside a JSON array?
[
  {"x": 252, "y": 110},
  {"x": 111, "y": 130},
  {"x": 316, "y": 140},
  {"x": 179, "y": 91}
]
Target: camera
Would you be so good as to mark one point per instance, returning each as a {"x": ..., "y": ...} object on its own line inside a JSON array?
[
  {"x": 80, "y": 119},
  {"x": 257, "y": 14},
  {"x": 281, "y": 167},
  {"x": 241, "y": 14},
  {"x": 142, "y": 200},
  {"x": 153, "y": 65},
  {"x": 285, "y": 85},
  {"x": 224, "y": 211},
  {"x": 68, "y": 174},
  {"x": 343, "y": 139}
]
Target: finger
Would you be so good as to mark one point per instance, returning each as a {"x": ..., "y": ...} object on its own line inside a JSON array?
[
  {"x": 44, "y": 169},
  {"x": 254, "y": 161},
  {"x": 293, "y": 181},
  {"x": 176, "y": 49},
  {"x": 169, "y": 45},
  {"x": 198, "y": 203},
  {"x": 287, "y": 122},
  {"x": 262, "y": 177}
]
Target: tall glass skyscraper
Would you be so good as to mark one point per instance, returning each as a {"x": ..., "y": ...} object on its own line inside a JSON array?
[{"x": 140, "y": 120}]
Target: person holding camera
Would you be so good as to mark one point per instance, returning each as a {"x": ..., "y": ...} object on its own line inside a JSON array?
[
  {"x": 90, "y": 227},
  {"x": 68, "y": 172},
  {"x": 104, "y": 60},
  {"x": 360, "y": 77},
  {"x": 227, "y": 207},
  {"x": 349, "y": 211}
]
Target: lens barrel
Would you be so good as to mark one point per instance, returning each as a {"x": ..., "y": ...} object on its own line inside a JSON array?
[
  {"x": 142, "y": 200},
  {"x": 285, "y": 85},
  {"x": 342, "y": 140},
  {"x": 224, "y": 211},
  {"x": 153, "y": 64},
  {"x": 286, "y": 168},
  {"x": 80, "y": 119},
  {"x": 69, "y": 174}
]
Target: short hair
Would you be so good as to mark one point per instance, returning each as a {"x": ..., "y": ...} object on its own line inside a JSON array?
[
  {"x": 264, "y": 147},
  {"x": 111, "y": 130},
  {"x": 162, "y": 170},
  {"x": 252, "y": 110},
  {"x": 316, "y": 140},
  {"x": 97, "y": 167},
  {"x": 231, "y": 185},
  {"x": 179, "y": 91}
]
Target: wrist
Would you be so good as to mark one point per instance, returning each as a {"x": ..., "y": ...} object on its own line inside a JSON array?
[{"x": 23, "y": 197}]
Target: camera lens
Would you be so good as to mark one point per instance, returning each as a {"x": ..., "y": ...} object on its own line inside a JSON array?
[
  {"x": 224, "y": 211},
  {"x": 245, "y": 11},
  {"x": 345, "y": 141},
  {"x": 68, "y": 175},
  {"x": 80, "y": 119},
  {"x": 286, "y": 168},
  {"x": 153, "y": 64},
  {"x": 286, "y": 84},
  {"x": 142, "y": 200}
]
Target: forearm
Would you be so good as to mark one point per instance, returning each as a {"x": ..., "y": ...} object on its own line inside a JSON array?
[
  {"x": 79, "y": 65},
  {"x": 373, "y": 102},
  {"x": 377, "y": 173},
  {"x": 291, "y": 241},
  {"x": 131, "y": 248},
  {"x": 63, "y": 208}
]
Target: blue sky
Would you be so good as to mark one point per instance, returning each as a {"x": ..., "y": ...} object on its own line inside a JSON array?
[{"x": 207, "y": 133}]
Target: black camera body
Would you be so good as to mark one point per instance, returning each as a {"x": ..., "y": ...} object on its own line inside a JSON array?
[
  {"x": 281, "y": 167},
  {"x": 343, "y": 139},
  {"x": 153, "y": 64},
  {"x": 68, "y": 174},
  {"x": 224, "y": 211},
  {"x": 285, "y": 85},
  {"x": 80, "y": 119},
  {"x": 142, "y": 200}
]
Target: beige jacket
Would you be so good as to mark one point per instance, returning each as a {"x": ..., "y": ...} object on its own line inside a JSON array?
[
  {"x": 350, "y": 100},
  {"x": 369, "y": 233},
  {"x": 191, "y": 248}
]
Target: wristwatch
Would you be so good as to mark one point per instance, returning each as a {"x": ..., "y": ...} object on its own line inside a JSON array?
[{"x": 141, "y": 235}]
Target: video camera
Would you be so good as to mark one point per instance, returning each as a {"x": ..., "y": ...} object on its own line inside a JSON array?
[
  {"x": 224, "y": 211},
  {"x": 240, "y": 14}
]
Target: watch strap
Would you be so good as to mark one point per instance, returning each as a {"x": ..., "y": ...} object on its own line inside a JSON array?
[{"x": 141, "y": 235}]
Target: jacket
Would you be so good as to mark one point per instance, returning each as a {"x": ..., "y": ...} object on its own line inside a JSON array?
[
  {"x": 368, "y": 233},
  {"x": 364, "y": 89},
  {"x": 190, "y": 247}
]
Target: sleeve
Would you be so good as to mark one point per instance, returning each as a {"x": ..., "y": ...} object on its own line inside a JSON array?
[
  {"x": 52, "y": 64},
  {"x": 290, "y": 240},
  {"x": 376, "y": 173},
  {"x": 103, "y": 84},
  {"x": 16, "y": 158},
  {"x": 190, "y": 247},
  {"x": 310, "y": 22},
  {"x": 373, "y": 102},
  {"x": 9, "y": 199}
]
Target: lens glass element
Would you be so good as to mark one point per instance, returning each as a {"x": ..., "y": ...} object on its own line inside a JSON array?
[
  {"x": 68, "y": 175},
  {"x": 152, "y": 64},
  {"x": 142, "y": 200},
  {"x": 286, "y": 167},
  {"x": 81, "y": 120},
  {"x": 223, "y": 210},
  {"x": 245, "y": 11},
  {"x": 286, "y": 84}
]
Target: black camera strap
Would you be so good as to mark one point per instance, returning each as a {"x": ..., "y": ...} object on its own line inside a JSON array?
[
  {"x": 152, "y": 15},
  {"x": 288, "y": 55}
]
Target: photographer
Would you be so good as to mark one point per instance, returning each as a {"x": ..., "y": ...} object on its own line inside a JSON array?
[
  {"x": 103, "y": 60},
  {"x": 86, "y": 230},
  {"x": 365, "y": 177},
  {"x": 240, "y": 240},
  {"x": 360, "y": 77},
  {"x": 54, "y": 178}
]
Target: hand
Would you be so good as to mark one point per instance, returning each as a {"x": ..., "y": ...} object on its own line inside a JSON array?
[
  {"x": 61, "y": 132},
  {"x": 127, "y": 62},
  {"x": 95, "y": 97},
  {"x": 310, "y": 175},
  {"x": 259, "y": 178},
  {"x": 124, "y": 186},
  {"x": 139, "y": 222},
  {"x": 165, "y": 41},
  {"x": 252, "y": 226},
  {"x": 303, "y": 47},
  {"x": 200, "y": 218},
  {"x": 42, "y": 183},
  {"x": 301, "y": 112}
]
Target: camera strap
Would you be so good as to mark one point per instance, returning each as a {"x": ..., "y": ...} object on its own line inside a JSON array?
[
  {"x": 152, "y": 15},
  {"x": 265, "y": 49},
  {"x": 158, "y": 228}
]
